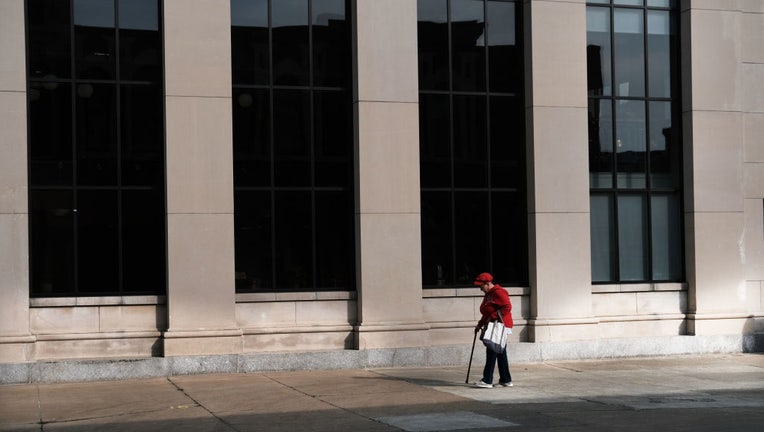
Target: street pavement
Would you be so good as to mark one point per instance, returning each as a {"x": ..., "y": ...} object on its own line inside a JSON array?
[{"x": 680, "y": 393}]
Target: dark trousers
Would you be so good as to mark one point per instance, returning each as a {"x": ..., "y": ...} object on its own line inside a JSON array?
[{"x": 490, "y": 362}]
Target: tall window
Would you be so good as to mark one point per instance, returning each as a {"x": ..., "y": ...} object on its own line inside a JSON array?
[
  {"x": 96, "y": 147},
  {"x": 471, "y": 137},
  {"x": 293, "y": 145},
  {"x": 634, "y": 140}
]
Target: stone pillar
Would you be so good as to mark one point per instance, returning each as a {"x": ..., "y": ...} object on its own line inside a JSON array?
[
  {"x": 200, "y": 241},
  {"x": 753, "y": 157},
  {"x": 558, "y": 171},
  {"x": 713, "y": 92},
  {"x": 16, "y": 342},
  {"x": 387, "y": 175}
]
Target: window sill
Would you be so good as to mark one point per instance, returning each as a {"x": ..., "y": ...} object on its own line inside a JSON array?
[
  {"x": 639, "y": 287},
  {"x": 469, "y": 292},
  {"x": 294, "y": 296},
  {"x": 40, "y": 302}
]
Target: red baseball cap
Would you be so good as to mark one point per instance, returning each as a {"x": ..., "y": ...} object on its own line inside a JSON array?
[{"x": 483, "y": 278}]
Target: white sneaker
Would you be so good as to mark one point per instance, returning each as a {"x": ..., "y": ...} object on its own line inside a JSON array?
[
  {"x": 482, "y": 384},
  {"x": 506, "y": 384}
]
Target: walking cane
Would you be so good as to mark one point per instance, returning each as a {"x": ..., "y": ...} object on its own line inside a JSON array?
[{"x": 467, "y": 381}]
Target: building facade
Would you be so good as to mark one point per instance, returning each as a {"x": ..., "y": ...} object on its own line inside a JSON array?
[{"x": 238, "y": 185}]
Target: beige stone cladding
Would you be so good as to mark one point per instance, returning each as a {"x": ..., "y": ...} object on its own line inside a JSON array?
[
  {"x": 296, "y": 321},
  {"x": 723, "y": 196},
  {"x": 15, "y": 338},
  {"x": 97, "y": 327},
  {"x": 723, "y": 152},
  {"x": 200, "y": 244},
  {"x": 558, "y": 190}
]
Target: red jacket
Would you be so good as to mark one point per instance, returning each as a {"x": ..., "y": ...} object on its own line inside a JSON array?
[{"x": 496, "y": 298}]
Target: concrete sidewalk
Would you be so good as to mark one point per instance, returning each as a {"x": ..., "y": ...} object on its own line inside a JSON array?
[{"x": 683, "y": 393}]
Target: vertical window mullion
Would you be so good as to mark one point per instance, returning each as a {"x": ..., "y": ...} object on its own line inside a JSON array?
[
  {"x": 271, "y": 139},
  {"x": 118, "y": 139},
  {"x": 312, "y": 150},
  {"x": 74, "y": 188},
  {"x": 488, "y": 133},
  {"x": 614, "y": 142},
  {"x": 648, "y": 176},
  {"x": 452, "y": 191}
]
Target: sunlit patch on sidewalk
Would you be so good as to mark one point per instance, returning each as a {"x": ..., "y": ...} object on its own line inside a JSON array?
[{"x": 444, "y": 421}]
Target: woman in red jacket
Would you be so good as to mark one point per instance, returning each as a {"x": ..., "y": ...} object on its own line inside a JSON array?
[{"x": 495, "y": 299}]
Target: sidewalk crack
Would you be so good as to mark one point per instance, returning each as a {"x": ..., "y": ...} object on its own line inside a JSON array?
[{"x": 200, "y": 405}]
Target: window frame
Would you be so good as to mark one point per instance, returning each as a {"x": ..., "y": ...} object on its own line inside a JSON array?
[
  {"x": 516, "y": 272},
  {"x": 276, "y": 186},
  {"x": 121, "y": 187},
  {"x": 649, "y": 190}
]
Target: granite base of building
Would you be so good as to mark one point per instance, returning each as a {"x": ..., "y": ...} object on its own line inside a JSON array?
[{"x": 453, "y": 355}]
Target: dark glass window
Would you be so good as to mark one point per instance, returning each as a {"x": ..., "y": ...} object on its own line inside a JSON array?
[
  {"x": 293, "y": 145},
  {"x": 472, "y": 142},
  {"x": 96, "y": 147},
  {"x": 634, "y": 141}
]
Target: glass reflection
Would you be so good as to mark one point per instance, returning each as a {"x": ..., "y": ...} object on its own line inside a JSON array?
[
  {"x": 143, "y": 244},
  {"x": 664, "y": 147},
  {"x": 250, "y": 53},
  {"x": 633, "y": 132},
  {"x": 139, "y": 41},
  {"x": 432, "y": 38},
  {"x": 251, "y": 137},
  {"x": 666, "y": 237},
  {"x": 507, "y": 142},
  {"x": 659, "y": 31},
  {"x": 253, "y": 231},
  {"x": 598, "y": 51},
  {"x": 49, "y": 39},
  {"x": 470, "y": 144},
  {"x": 108, "y": 236},
  {"x": 331, "y": 56},
  {"x": 631, "y": 143},
  {"x": 142, "y": 135},
  {"x": 629, "y": 52},
  {"x": 94, "y": 39},
  {"x": 333, "y": 139},
  {"x": 471, "y": 234},
  {"x": 291, "y": 63},
  {"x": 93, "y": 13},
  {"x": 97, "y": 241},
  {"x": 632, "y": 238},
  {"x": 437, "y": 245},
  {"x": 600, "y": 144},
  {"x": 468, "y": 45},
  {"x": 294, "y": 233},
  {"x": 603, "y": 238},
  {"x": 291, "y": 138},
  {"x": 51, "y": 247},
  {"x": 96, "y": 134},
  {"x": 334, "y": 240},
  {"x": 249, "y": 13},
  {"x": 50, "y": 146},
  {"x": 504, "y": 56},
  {"x": 434, "y": 140},
  {"x": 138, "y": 15}
]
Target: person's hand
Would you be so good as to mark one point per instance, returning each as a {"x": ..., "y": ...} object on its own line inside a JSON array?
[{"x": 477, "y": 329}]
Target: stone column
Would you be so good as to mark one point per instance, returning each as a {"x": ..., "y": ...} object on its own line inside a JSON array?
[
  {"x": 713, "y": 92},
  {"x": 16, "y": 342},
  {"x": 558, "y": 171},
  {"x": 753, "y": 158},
  {"x": 200, "y": 241},
  {"x": 387, "y": 175}
]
